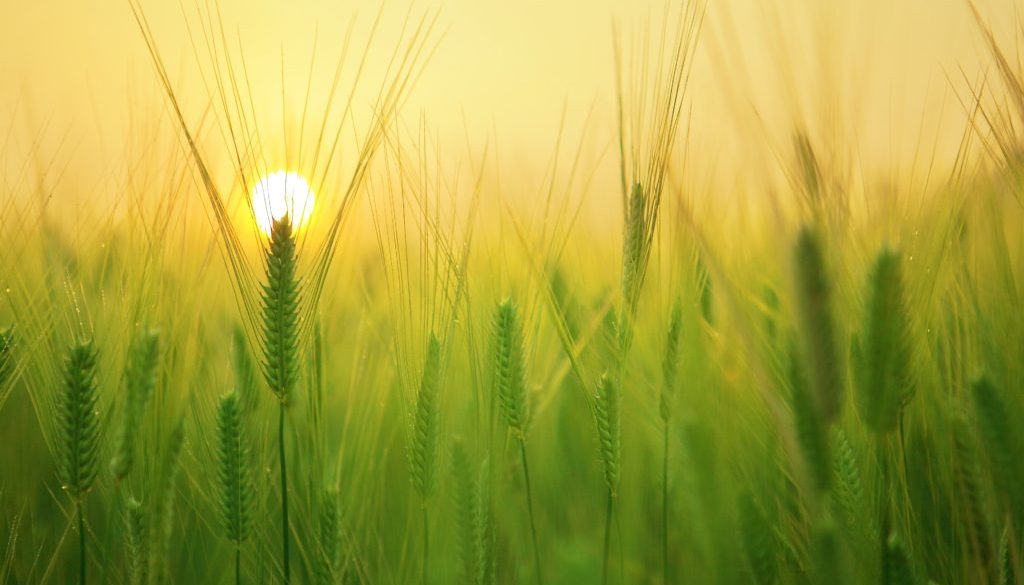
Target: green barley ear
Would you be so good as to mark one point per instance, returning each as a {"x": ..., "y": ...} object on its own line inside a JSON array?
[
  {"x": 464, "y": 501},
  {"x": 970, "y": 496},
  {"x": 829, "y": 562},
  {"x": 707, "y": 292},
  {"x": 759, "y": 541},
  {"x": 245, "y": 370},
  {"x": 896, "y": 565},
  {"x": 670, "y": 363},
  {"x": 811, "y": 432},
  {"x": 78, "y": 421},
  {"x": 884, "y": 384},
  {"x": 426, "y": 428},
  {"x": 329, "y": 565},
  {"x": 6, "y": 353},
  {"x": 237, "y": 495},
  {"x": 281, "y": 313},
  {"x": 1007, "y": 573},
  {"x": 633, "y": 241},
  {"x": 1000, "y": 438},
  {"x": 510, "y": 366},
  {"x": 847, "y": 494},
  {"x": 139, "y": 382},
  {"x": 607, "y": 412},
  {"x": 817, "y": 328},
  {"x": 162, "y": 530},
  {"x": 483, "y": 529},
  {"x": 135, "y": 541}
]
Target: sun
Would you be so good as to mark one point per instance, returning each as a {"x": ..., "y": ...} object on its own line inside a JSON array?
[{"x": 282, "y": 193}]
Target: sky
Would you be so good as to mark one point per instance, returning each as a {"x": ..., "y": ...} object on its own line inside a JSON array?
[{"x": 879, "y": 77}]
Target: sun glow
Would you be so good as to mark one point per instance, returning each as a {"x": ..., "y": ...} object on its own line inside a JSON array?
[{"x": 282, "y": 193}]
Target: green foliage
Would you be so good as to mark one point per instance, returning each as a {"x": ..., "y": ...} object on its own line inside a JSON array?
[
  {"x": 78, "y": 421},
  {"x": 139, "y": 381},
  {"x": 246, "y": 380}
]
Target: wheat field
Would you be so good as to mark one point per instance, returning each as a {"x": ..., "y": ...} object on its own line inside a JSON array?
[{"x": 741, "y": 316}]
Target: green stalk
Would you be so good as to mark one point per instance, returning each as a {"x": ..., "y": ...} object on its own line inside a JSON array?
[
  {"x": 607, "y": 536},
  {"x": 664, "y": 506},
  {"x": 426, "y": 543},
  {"x": 529, "y": 508},
  {"x": 284, "y": 495},
  {"x": 81, "y": 542}
]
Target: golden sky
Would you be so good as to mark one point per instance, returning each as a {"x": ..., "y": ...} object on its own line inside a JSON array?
[{"x": 873, "y": 75}]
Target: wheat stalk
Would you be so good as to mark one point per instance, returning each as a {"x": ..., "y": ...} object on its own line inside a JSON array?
[
  {"x": 281, "y": 347},
  {"x": 139, "y": 382},
  {"x": 78, "y": 426}
]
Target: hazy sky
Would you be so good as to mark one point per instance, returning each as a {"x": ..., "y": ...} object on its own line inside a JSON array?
[{"x": 867, "y": 72}]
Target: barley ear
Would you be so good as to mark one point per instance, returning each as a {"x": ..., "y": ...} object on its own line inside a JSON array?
[
  {"x": 237, "y": 494},
  {"x": 670, "y": 363},
  {"x": 896, "y": 566},
  {"x": 510, "y": 366},
  {"x": 483, "y": 528},
  {"x": 607, "y": 412},
  {"x": 1007, "y": 571},
  {"x": 464, "y": 504},
  {"x": 884, "y": 384},
  {"x": 78, "y": 421},
  {"x": 426, "y": 427},
  {"x": 281, "y": 313},
  {"x": 139, "y": 382},
  {"x": 328, "y": 567},
  {"x": 135, "y": 541},
  {"x": 811, "y": 432},
  {"x": 1000, "y": 437},
  {"x": 633, "y": 241},
  {"x": 817, "y": 327}
]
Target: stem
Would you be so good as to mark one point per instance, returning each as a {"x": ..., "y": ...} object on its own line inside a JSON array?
[
  {"x": 284, "y": 495},
  {"x": 238, "y": 564},
  {"x": 529, "y": 505},
  {"x": 622, "y": 554},
  {"x": 664, "y": 506},
  {"x": 81, "y": 542},
  {"x": 607, "y": 536},
  {"x": 426, "y": 542}
]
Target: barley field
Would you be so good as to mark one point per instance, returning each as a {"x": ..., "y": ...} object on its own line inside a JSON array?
[{"x": 697, "y": 292}]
